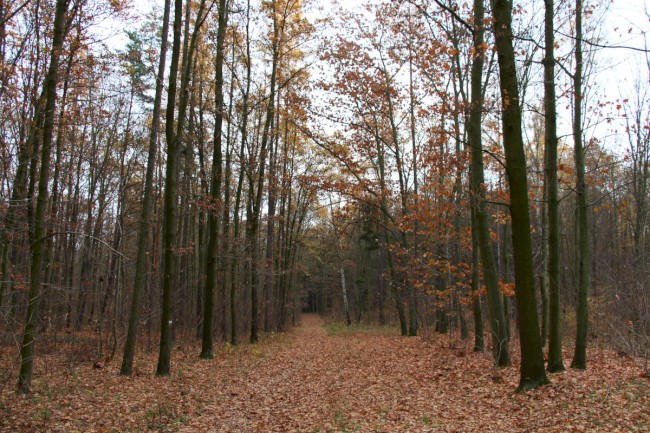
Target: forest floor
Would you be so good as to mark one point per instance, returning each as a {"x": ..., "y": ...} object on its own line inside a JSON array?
[{"x": 327, "y": 378}]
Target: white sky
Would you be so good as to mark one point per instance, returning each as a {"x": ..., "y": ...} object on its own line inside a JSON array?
[{"x": 627, "y": 23}]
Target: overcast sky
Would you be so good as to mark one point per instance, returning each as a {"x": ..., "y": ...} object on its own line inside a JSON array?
[{"x": 626, "y": 24}]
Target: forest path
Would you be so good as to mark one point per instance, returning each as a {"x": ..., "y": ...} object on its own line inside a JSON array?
[
  {"x": 327, "y": 378},
  {"x": 361, "y": 379},
  {"x": 369, "y": 379}
]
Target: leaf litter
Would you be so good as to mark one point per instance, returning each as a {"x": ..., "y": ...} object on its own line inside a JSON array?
[{"x": 307, "y": 381}]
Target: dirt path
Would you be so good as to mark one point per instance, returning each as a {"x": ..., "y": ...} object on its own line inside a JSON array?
[
  {"x": 365, "y": 381},
  {"x": 299, "y": 386},
  {"x": 374, "y": 382}
]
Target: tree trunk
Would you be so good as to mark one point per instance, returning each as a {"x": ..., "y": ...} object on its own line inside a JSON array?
[
  {"x": 410, "y": 290},
  {"x": 584, "y": 252},
  {"x": 252, "y": 224},
  {"x": 394, "y": 283},
  {"x": 217, "y": 169},
  {"x": 38, "y": 247},
  {"x": 147, "y": 203},
  {"x": 555, "y": 363},
  {"x": 479, "y": 344},
  {"x": 495, "y": 306},
  {"x": 532, "y": 373},
  {"x": 173, "y": 135},
  {"x": 244, "y": 141}
]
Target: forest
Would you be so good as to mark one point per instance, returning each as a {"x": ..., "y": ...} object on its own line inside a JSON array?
[{"x": 301, "y": 215}]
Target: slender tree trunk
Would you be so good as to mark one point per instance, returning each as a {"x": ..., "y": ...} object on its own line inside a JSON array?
[
  {"x": 505, "y": 267},
  {"x": 226, "y": 245},
  {"x": 386, "y": 241},
  {"x": 479, "y": 344},
  {"x": 341, "y": 266},
  {"x": 38, "y": 247},
  {"x": 270, "y": 225},
  {"x": 457, "y": 194},
  {"x": 234, "y": 261},
  {"x": 584, "y": 253},
  {"x": 543, "y": 276},
  {"x": 283, "y": 230},
  {"x": 72, "y": 239},
  {"x": 410, "y": 291},
  {"x": 217, "y": 169},
  {"x": 532, "y": 373},
  {"x": 344, "y": 294},
  {"x": 174, "y": 133},
  {"x": 147, "y": 203},
  {"x": 394, "y": 285},
  {"x": 244, "y": 141},
  {"x": 282, "y": 253},
  {"x": 416, "y": 199},
  {"x": 495, "y": 307},
  {"x": 59, "y": 145},
  {"x": 252, "y": 225},
  {"x": 181, "y": 273},
  {"x": 555, "y": 363},
  {"x": 441, "y": 284}
]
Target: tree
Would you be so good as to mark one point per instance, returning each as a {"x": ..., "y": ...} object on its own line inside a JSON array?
[
  {"x": 217, "y": 169},
  {"x": 555, "y": 363},
  {"x": 174, "y": 133},
  {"x": 479, "y": 343},
  {"x": 338, "y": 234},
  {"x": 48, "y": 105},
  {"x": 256, "y": 184},
  {"x": 147, "y": 200},
  {"x": 583, "y": 244},
  {"x": 532, "y": 372},
  {"x": 242, "y": 173},
  {"x": 479, "y": 220}
]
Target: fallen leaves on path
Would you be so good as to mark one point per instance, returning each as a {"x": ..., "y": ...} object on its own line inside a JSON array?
[{"x": 307, "y": 381}]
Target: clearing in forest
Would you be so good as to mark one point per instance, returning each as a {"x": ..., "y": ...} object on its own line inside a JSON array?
[{"x": 326, "y": 378}]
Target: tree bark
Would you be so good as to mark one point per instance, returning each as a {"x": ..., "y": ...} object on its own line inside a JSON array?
[
  {"x": 217, "y": 169},
  {"x": 532, "y": 373},
  {"x": 173, "y": 135},
  {"x": 584, "y": 253},
  {"x": 236, "y": 222},
  {"x": 38, "y": 247},
  {"x": 147, "y": 202},
  {"x": 498, "y": 325},
  {"x": 555, "y": 363},
  {"x": 479, "y": 343},
  {"x": 252, "y": 223}
]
